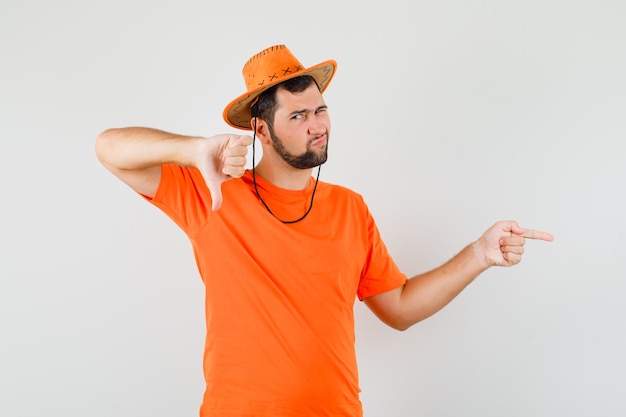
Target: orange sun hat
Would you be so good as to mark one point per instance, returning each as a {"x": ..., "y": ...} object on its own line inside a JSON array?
[{"x": 267, "y": 68}]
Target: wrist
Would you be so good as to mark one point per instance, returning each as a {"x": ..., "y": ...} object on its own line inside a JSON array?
[
  {"x": 188, "y": 150},
  {"x": 479, "y": 253}
]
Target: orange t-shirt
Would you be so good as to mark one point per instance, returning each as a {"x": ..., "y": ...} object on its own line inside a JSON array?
[{"x": 279, "y": 297}]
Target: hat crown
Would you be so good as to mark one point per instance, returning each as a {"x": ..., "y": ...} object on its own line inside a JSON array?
[{"x": 269, "y": 66}]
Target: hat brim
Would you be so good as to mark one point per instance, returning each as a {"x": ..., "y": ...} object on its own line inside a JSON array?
[{"x": 237, "y": 112}]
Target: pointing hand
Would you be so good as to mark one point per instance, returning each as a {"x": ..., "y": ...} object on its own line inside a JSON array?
[{"x": 503, "y": 243}]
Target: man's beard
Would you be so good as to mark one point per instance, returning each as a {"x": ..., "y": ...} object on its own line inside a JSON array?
[{"x": 306, "y": 160}]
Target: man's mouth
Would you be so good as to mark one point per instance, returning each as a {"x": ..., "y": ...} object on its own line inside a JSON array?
[{"x": 320, "y": 141}]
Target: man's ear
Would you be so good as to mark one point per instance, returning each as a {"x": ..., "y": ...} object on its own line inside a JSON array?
[{"x": 262, "y": 130}]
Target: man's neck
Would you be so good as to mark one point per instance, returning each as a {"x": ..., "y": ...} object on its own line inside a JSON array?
[{"x": 283, "y": 175}]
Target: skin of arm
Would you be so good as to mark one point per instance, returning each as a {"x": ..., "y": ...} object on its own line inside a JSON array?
[
  {"x": 425, "y": 294},
  {"x": 135, "y": 155}
]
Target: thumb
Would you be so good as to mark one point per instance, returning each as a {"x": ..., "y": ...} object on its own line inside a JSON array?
[
  {"x": 516, "y": 229},
  {"x": 226, "y": 161},
  {"x": 215, "y": 188}
]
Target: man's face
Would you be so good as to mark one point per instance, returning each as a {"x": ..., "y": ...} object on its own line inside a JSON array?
[{"x": 301, "y": 128}]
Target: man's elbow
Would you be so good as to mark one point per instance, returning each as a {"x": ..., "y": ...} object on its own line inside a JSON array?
[
  {"x": 399, "y": 323},
  {"x": 107, "y": 148},
  {"x": 103, "y": 145},
  {"x": 389, "y": 309},
  {"x": 402, "y": 320}
]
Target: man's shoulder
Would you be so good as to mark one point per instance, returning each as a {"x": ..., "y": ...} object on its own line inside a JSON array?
[
  {"x": 338, "y": 188},
  {"x": 336, "y": 191}
]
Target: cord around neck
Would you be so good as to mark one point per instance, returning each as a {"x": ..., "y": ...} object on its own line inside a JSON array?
[{"x": 319, "y": 168}]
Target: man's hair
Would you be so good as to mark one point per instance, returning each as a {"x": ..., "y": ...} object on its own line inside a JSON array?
[{"x": 265, "y": 107}]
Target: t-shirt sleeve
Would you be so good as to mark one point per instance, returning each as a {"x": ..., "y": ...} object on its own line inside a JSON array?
[
  {"x": 380, "y": 273},
  {"x": 184, "y": 197}
]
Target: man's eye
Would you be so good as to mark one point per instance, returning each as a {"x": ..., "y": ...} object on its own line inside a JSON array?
[{"x": 297, "y": 116}]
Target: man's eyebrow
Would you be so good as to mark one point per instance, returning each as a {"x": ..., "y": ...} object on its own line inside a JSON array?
[{"x": 301, "y": 111}]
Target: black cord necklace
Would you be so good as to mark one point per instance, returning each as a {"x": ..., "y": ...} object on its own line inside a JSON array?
[{"x": 319, "y": 168}]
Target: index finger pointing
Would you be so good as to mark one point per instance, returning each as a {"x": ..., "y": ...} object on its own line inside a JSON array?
[{"x": 537, "y": 234}]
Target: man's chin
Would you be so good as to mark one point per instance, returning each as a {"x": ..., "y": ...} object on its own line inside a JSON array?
[{"x": 311, "y": 161}]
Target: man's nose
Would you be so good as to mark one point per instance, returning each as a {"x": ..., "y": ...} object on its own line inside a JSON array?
[{"x": 317, "y": 127}]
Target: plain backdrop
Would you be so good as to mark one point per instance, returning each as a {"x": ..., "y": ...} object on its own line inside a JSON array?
[{"x": 447, "y": 116}]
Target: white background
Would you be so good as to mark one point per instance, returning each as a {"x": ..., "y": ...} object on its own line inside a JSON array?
[{"x": 447, "y": 116}]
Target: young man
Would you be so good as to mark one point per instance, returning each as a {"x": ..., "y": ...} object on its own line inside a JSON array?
[{"x": 282, "y": 255}]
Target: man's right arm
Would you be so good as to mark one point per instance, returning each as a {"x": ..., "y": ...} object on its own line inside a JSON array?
[{"x": 135, "y": 155}]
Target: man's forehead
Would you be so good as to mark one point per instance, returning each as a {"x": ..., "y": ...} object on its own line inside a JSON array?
[{"x": 309, "y": 99}]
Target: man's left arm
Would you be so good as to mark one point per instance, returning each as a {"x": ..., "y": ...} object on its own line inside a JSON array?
[{"x": 427, "y": 293}]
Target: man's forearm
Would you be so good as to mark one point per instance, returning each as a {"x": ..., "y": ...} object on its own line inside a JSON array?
[
  {"x": 137, "y": 148},
  {"x": 426, "y": 294}
]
